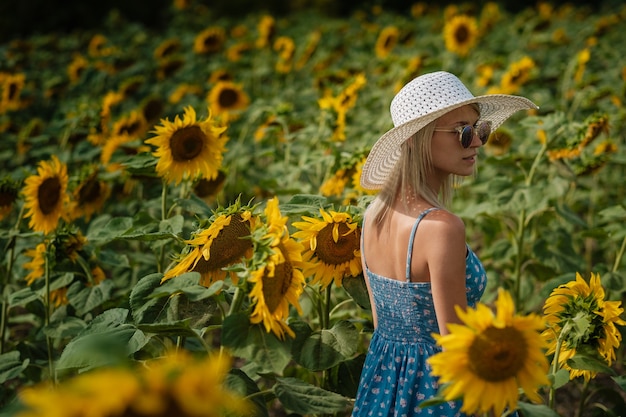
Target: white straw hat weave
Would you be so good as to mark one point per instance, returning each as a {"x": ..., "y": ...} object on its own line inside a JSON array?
[{"x": 421, "y": 101}]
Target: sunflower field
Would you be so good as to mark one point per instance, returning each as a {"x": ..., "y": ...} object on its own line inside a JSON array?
[{"x": 181, "y": 214}]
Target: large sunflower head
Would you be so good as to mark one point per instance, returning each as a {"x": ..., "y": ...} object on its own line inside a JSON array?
[
  {"x": 578, "y": 315},
  {"x": 332, "y": 242},
  {"x": 45, "y": 195},
  {"x": 276, "y": 276},
  {"x": 226, "y": 99},
  {"x": 488, "y": 358},
  {"x": 460, "y": 34},
  {"x": 223, "y": 242},
  {"x": 188, "y": 148}
]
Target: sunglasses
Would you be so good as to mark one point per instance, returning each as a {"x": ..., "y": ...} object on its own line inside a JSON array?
[{"x": 467, "y": 132}]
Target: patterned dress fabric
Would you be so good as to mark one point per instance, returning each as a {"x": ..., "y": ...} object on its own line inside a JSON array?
[{"x": 395, "y": 377}]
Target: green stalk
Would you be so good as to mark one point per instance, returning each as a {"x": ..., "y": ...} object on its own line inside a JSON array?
[
  {"x": 555, "y": 362},
  {"x": 161, "y": 260},
  {"x": 583, "y": 399},
  {"x": 6, "y": 281},
  {"x": 47, "y": 313},
  {"x": 620, "y": 254}
]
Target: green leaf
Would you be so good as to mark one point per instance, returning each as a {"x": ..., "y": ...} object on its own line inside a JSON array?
[
  {"x": 85, "y": 298},
  {"x": 144, "y": 307},
  {"x": 114, "y": 228},
  {"x": 621, "y": 381},
  {"x": 349, "y": 376},
  {"x": 179, "y": 328},
  {"x": 237, "y": 381},
  {"x": 188, "y": 284},
  {"x": 107, "y": 340},
  {"x": 536, "y": 410},
  {"x": 172, "y": 225},
  {"x": 265, "y": 352},
  {"x": 589, "y": 363},
  {"x": 303, "y": 398},
  {"x": 357, "y": 289},
  {"x": 560, "y": 378},
  {"x": 11, "y": 366},
  {"x": 65, "y": 328},
  {"x": 326, "y": 348}
]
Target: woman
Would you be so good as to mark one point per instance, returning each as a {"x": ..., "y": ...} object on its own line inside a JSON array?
[{"x": 416, "y": 275}]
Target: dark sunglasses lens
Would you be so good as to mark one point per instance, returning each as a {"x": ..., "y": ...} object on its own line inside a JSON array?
[
  {"x": 484, "y": 130},
  {"x": 467, "y": 135}
]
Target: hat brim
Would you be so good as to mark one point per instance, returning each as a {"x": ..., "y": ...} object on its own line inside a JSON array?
[{"x": 495, "y": 108}]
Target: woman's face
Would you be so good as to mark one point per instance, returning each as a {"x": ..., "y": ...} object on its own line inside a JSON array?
[{"x": 448, "y": 155}]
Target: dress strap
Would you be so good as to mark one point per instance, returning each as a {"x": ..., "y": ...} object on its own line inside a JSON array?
[
  {"x": 362, "y": 240},
  {"x": 409, "y": 254}
]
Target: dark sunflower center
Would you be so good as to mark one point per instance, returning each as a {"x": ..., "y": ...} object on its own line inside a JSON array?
[
  {"x": 89, "y": 192},
  {"x": 187, "y": 143},
  {"x": 7, "y": 197},
  {"x": 228, "y": 98},
  {"x": 461, "y": 34},
  {"x": 13, "y": 91},
  {"x": 336, "y": 253},
  {"x": 130, "y": 128},
  {"x": 49, "y": 194},
  {"x": 212, "y": 42},
  {"x": 228, "y": 247},
  {"x": 389, "y": 41},
  {"x": 275, "y": 288},
  {"x": 207, "y": 188},
  {"x": 497, "y": 354}
]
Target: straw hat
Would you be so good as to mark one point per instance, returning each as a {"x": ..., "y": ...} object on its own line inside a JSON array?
[{"x": 422, "y": 101}]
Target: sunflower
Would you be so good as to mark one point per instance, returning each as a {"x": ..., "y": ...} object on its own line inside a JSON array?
[
  {"x": 182, "y": 90},
  {"x": 167, "y": 48},
  {"x": 577, "y": 302},
  {"x": 177, "y": 384},
  {"x": 499, "y": 142},
  {"x": 387, "y": 40},
  {"x": 46, "y": 196},
  {"x": 224, "y": 242},
  {"x": 460, "y": 34},
  {"x": 208, "y": 189},
  {"x": 267, "y": 30},
  {"x": 11, "y": 86},
  {"x": 286, "y": 47},
  {"x": 278, "y": 280},
  {"x": 332, "y": 246},
  {"x": 133, "y": 124},
  {"x": 97, "y": 48},
  {"x": 89, "y": 197},
  {"x": 76, "y": 68},
  {"x": 209, "y": 40},
  {"x": 8, "y": 197},
  {"x": 516, "y": 76},
  {"x": 188, "y": 148},
  {"x": 489, "y": 357},
  {"x": 169, "y": 66},
  {"x": 226, "y": 99},
  {"x": 309, "y": 50},
  {"x": 36, "y": 264},
  {"x": 335, "y": 185}
]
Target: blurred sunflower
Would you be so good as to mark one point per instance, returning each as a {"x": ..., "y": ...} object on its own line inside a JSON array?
[
  {"x": 490, "y": 356},
  {"x": 210, "y": 40},
  {"x": 97, "y": 46},
  {"x": 226, "y": 99},
  {"x": 309, "y": 50},
  {"x": 88, "y": 197},
  {"x": 286, "y": 47},
  {"x": 207, "y": 190},
  {"x": 278, "y": 280},
  {"x": 167, "y": 48},
  {"x": 499, "y": 142},
  {"x": 37, "y": 263},
  {"x": 387, "y": 40},
  {"x": 8, "y": 197},
  {"x": 132, "y": 124},
  {"x": 45, "y": 195},
  {"x": 76, "y": 68},
  {"x": 11, "y": 86},
  {"x": 332, "y": 246},
  {"x": 517, "y": 74},
  {"x": 460, "y": 34},
  {"x": 169, "y": 66},
  {"x": 267, "y": 30},
  {"x": 182, "y": 90},
  {"x": 178, "y": 384},
  {"x": 188, "y": 148},
  {"x": 580, "y": 319},
  {"x": 335, "y": 185},
  {"x": 224, "y": 242}
]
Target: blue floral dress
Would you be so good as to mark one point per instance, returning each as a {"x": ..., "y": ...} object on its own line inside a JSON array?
[{"x": 395, "y": 377}]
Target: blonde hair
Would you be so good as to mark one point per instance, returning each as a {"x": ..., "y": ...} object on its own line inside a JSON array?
[{"x": 408, "y": 179}]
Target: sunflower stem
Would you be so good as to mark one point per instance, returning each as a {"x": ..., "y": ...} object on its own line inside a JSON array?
[
  {"x": 620, "y": 254},
  {"x": 583, "y": 399},
  {"x": 555, "y": 365},
  {"x": 235, "y": 306},
  {"x": 326, "y": 318},
  {"x": 47, "y": 312},
  {"x": 161, "y": 260}
]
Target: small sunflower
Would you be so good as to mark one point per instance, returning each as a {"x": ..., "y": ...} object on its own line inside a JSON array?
[
  {"x": 209, "y": 189},
  {"x": 460, "y": 34},
  {"x": 387, "y": 40},
  {"x": 132, "y": 124},
  {"x": 278, "y": 280},
  {"x": 332, "y": 246},
  {"x": 226, "y": 99},
  {"x": 209, "y": 40},
  {"x": 578, "y": 302},
  {"x": 89, "y": 197},
  {"x": 489, "y": 357},
  {"x": 182, "y": 90},
  {"x": 46, "y": 195},
  {"x": 76, "y": 68},
  {"x": 286, "y": 47},
  {"x": 224, "y": 242},
  {"x": 516, "y": 76},
  {"x": 11, "y": 86},
  {"x": 188, "y": 148},
  {"x": 267, "y": 30},
  {"x": 499, "y": 142},
  {"x": 37, "y": 263},
  {"x": 167, "y": 48}
]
